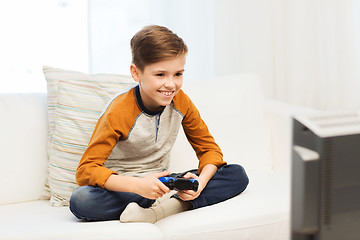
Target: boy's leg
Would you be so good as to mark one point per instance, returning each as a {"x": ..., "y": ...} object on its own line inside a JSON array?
[
  {"x": 97, "y": 204},
  {"x": 229, "y": 181}
]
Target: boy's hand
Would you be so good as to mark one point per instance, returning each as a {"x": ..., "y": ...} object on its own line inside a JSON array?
[
  {"x": 151, "y": 187},
  {"x": 187, "y": 195}
]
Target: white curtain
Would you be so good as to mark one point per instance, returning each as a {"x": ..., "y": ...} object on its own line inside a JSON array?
[
  {"x": 306, "y": 52},
  {"x": 316, "y": 53}
]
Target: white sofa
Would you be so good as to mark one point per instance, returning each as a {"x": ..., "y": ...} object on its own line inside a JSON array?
[{"x": 251, "y": 130}]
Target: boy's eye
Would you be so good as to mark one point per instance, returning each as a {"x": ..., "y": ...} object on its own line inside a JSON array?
[
  {"x": 159, "y": 74},
  {"x": 178, "y": 74}
]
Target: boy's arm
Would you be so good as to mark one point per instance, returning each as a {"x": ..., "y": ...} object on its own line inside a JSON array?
[
  {"x": 91, "y": 169},
  {"x": 206, "y": 174},
  {"x": 114, "y": 125},
  {"x": 148, "y": 187},
  {"x": 198, "y": 134}
]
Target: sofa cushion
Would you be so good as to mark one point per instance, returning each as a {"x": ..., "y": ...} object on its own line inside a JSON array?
[
  {"x": 75, "y": 101},
  {"x": 260, "y": 212},
  {"x": 23, "y": 140},
  {"x": 233, "y": 109},
  {"x": 37, "y": 220}
]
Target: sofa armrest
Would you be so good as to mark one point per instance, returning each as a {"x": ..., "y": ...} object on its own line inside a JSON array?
[
  {"x": 23, "y": 139},
  {"x": 279, "y": 117}
]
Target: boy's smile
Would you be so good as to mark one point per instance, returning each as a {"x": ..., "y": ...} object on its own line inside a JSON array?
[{"x": 159, "y": 82}]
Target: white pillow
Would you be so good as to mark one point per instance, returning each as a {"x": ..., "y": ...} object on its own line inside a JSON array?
[{"x": 75, "y": 101}]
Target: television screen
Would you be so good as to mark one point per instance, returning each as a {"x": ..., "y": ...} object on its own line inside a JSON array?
[{"x": 325, "y": 194}]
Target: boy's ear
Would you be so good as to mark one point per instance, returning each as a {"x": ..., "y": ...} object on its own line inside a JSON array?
[{"x": 134, "y": 72}]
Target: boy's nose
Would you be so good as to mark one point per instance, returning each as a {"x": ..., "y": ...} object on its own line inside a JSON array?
[{"x": 169, "y": 82}]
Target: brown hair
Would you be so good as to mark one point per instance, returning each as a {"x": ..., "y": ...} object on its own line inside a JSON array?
[{"x": 154, "y": 44}]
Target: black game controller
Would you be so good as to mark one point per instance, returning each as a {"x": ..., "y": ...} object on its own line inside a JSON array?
[{"x": 178, "y": 183}]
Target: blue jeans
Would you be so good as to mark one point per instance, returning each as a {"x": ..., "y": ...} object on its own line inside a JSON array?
[{"x": 97, "y": 204}]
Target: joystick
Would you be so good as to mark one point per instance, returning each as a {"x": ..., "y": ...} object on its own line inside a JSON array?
[{"x": 178, "y": 183}]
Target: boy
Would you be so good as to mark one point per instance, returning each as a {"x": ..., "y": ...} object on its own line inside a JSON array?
[{"x": 130, "y": 146}]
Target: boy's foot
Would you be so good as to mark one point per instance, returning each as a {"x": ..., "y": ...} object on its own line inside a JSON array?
[{"x": 134, "y": 213}]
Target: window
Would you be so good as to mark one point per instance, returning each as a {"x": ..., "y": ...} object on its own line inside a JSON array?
[{"x": 37, "y": 33}]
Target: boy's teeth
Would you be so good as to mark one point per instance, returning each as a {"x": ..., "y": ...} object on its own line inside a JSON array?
[{"x": 167, "y": 93}]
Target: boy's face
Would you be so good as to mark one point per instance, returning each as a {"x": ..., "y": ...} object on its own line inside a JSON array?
[{"x": 159, "y": 82}]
